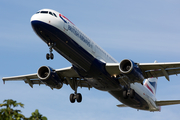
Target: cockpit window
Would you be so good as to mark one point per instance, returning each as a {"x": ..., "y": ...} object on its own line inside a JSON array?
[
  {"x": 44, "y": 12},
  {"x": 54, "y": 14},
  {"x": 50, "y": 13}
]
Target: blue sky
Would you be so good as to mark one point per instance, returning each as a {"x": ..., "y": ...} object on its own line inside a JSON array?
[{"x": 143, "y": 31}]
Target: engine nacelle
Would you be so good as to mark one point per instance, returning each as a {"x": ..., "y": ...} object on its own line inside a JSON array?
[
  {"x": 131, "y": 70},
  {"x": 49, "y": 77}
]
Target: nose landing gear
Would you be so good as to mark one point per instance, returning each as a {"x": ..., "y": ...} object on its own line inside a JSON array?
[{"x": 50, "y": 55}]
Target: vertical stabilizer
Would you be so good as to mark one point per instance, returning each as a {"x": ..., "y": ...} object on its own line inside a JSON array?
[{"x": 151, "y": 84}]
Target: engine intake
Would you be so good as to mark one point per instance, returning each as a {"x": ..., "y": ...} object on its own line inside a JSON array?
[
  {"x": 126, "y": 66},
  {"x": 48, "y": 76},
  {"x": 131, "y": 70}
]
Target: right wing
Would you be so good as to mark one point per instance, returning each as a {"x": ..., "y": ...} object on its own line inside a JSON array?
[
  {"x": 69, "y": 76},
  {"x": 29, "y": 78}
]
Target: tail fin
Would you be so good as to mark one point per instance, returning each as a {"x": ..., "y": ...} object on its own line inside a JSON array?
[{"x": 151, "y": 84}]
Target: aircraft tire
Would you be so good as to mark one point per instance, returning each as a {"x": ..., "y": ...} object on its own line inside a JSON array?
[
  {"x": 125, "y": 94},
  {"x": 132, "y": 93},
  {"x": 72, "y": 100},
  {"x": 47, "y": 56},
  {"x": 52, "y": 56},
  {"x": 79, "y": 97}
]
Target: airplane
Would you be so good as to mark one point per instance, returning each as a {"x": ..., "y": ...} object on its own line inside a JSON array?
[{"x": 92, "y": 67}]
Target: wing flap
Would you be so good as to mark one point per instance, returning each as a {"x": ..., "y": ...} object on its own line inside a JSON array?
[{"x": 170, "y": 102}]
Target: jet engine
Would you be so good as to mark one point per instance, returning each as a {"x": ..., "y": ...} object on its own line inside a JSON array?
[
  {"x": 48, "y": 76},
  {"x": 131, "y": 70}
]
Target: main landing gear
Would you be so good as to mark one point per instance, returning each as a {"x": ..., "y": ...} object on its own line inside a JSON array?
[
  {"x": 75, "y": 96},
  {"x": 128, "y": 93},
  {"x": 50, "y": 55}
]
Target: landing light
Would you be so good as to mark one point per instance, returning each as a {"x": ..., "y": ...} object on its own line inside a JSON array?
[{"x": 114, "y": 76}]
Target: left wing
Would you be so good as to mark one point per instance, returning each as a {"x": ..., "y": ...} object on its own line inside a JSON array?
[
  {"x": 69, "y": 76},
  {"x": 149, "y": 69}
]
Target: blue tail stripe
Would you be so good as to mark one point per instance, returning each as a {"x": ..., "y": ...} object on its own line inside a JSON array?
[{"x": 153, "y": 84}]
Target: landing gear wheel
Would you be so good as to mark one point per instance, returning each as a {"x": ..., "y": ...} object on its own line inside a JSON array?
[
  {"x": 52, "y": 56},
  {"x": 79, "y": 97},
  {"x": 125, "y": 95},
  {"x": 47, "y": 56},
  {"x": 72, "y": 100},
  {"x": 74, "y": 97},
  {"x": 132, "y": 93}
]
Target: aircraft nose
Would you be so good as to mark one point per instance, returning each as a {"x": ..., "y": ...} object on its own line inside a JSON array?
[
  {"x": 33, "y": 21},
  {"x": 34, "y": 18}
]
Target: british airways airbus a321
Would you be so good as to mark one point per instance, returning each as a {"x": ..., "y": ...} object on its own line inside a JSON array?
[{"x": 94, "y": 67}]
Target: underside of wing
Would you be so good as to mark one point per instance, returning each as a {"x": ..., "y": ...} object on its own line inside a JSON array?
[
  {"x": 148, "y": 69},
  {"x": 29, "y": 78},
  {"x": 170, "y": 102},
  {"x": 160, "y": 69},
  {"x": 67, "y": 72},
  {"x": 68, "y": 76},
  {"x": 22, "y": 77}
]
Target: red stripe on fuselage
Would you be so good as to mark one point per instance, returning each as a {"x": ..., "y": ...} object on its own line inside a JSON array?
[{"x": 66, "y": 18}]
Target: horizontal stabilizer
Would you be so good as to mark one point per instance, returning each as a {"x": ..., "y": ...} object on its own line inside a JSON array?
[
  {"x": 122, "y": 105},
  {"x": 170, "y": 102}
]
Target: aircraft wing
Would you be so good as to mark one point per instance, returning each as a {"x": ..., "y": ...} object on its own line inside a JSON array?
[
  {"x": 170, "y": 102},
  {"x": 149, "y": 69},
  {"x": 69, "y": 75}
]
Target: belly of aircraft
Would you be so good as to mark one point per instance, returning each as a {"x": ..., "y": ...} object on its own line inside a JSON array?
[{"x": 137, "y": 102}]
